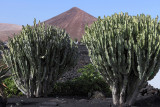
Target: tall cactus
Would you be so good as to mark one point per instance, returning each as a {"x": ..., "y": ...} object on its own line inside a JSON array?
[
  {"x": 126, "y": 51},
  {"x": 40, "y": 55}
]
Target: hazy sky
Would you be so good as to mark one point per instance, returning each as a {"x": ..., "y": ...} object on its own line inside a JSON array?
[{"x": 23, "y": 12}]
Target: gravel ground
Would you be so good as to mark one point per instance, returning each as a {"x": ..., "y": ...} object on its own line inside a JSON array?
[
  {"x": 59, "y": 102},
  {"x": 145, "y": 101}
]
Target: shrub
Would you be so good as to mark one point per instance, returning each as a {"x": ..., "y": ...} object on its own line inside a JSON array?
[
  {"x": 126, "y": 51},
  {"x": 39, "y": 55},
  {"x": 89, "y": 81},
  {"x": 11, "y": 89},
  {"x": 3, "y": 75}
]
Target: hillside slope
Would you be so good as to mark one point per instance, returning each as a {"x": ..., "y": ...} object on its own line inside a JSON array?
[
  {"x": 8, "y": 30},
  {"x": 73, "y": 21}
]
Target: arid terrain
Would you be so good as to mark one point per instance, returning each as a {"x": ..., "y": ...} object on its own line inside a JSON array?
[{"x": 8, "y": 30}]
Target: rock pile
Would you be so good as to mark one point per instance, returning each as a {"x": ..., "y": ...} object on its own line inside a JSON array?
[
  {"x": 148, "y": 97},
  {"x": 149, "y": 90}
]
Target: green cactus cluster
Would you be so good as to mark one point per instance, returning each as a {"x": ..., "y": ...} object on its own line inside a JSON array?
[
  {"x": 126, "y": 51},
  {"x": 39, "y": 55}
]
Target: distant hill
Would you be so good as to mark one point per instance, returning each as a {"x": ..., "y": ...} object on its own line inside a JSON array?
[
  {"x": 73, "y": 21},
  {"x": 8, "y": 30}
]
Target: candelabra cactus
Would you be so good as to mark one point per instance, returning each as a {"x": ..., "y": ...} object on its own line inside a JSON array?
[
  {"x": 126, "y": 51},
  {"x": 40, "y": 55}
]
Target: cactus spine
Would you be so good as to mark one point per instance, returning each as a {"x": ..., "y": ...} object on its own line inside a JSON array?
[
  {"x": 126, "y": 51},
  {"x": 40, "y": 55}
]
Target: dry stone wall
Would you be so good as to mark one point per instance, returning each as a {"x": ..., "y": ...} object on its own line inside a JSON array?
[{"x": 82, "y": 60}]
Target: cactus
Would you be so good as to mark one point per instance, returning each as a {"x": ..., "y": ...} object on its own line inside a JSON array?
[
  {"x": 40, "y": 55},
  {"x": 126, "y": 51}
]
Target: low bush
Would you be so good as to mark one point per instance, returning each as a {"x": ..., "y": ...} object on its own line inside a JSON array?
[
  {"x": 89, "y": 81},
  {"x": 11, "y": 89}
]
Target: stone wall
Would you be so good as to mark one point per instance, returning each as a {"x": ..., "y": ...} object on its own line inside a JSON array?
[{"x": 82, "y": 60}]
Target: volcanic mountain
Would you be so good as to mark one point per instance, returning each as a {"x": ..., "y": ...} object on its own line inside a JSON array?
[
  {"x": 8, "y": 30},
  {"x": 73, "y": 21}
]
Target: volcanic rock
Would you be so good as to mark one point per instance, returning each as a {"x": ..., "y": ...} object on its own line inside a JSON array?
[
  {"x": 148, "y": 97},
  {"x": 149, "y": 90}
]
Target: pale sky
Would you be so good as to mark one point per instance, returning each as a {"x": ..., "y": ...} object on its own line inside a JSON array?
[{"x": 23, "y": 12}]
